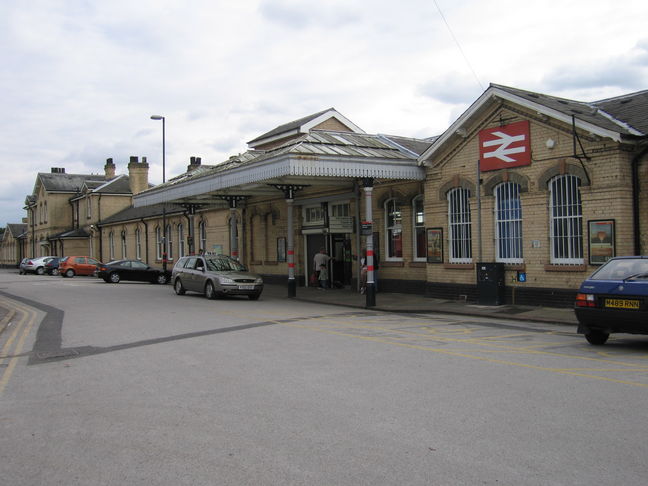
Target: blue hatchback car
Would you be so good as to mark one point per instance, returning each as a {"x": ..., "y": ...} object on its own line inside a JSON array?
[{"x": 614, "y": 299}]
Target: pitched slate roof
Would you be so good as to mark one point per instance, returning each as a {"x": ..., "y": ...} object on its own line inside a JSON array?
[
  {"x": 17, "y": 229},
  {"x": 608, "y": 114},
  {"x": 303, "y": 125},
  {"x": 75, "y": 233},
  {"x": 620, "y": 119},
  {"x": 132, "y": 213},
  {"x": 58, "y": 182},
  {"x": 287, "y": 127},
  {"x": 631, "y": 108}
]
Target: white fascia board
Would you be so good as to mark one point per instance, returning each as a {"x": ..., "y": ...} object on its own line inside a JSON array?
[
  {"x": 492, "y": 93},
  {"x": 279, "y": 136},
  {"x": 306, "y": 127},
  {"x": 120, "y": 176},
  {"x": 282, "y": 166}
]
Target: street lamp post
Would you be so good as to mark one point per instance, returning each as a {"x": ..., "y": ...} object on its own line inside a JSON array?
[{"x": 164, "y": 228}]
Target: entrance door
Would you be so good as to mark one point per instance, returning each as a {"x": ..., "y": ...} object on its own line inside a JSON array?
[
  {"x": 313, "y": 244},
  {"x": 342, "y": 268}
]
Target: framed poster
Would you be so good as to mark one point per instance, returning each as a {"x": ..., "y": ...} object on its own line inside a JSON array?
[
  {"x": 601, "y": 241},
  {"x": 281, "y": 249},
  {"x": 435, "y": 245}
]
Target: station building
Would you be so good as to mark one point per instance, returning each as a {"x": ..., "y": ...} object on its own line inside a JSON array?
[{"x": 546, "y": 188}]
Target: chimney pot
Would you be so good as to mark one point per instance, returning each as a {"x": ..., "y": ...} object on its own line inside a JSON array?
[{"x": 133, "y": 159}]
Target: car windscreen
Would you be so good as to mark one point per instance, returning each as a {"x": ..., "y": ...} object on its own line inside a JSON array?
[
  {"x": 623, "y": 269},
  {"x": 223, "y": 265}
]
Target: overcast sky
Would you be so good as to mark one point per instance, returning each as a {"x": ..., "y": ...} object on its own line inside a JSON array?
[{"x": 80, "y": 78}]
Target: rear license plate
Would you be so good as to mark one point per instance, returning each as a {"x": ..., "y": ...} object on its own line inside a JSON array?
[
  {"x": 622, "y": 304},
  {"x": 246, "y": 287}
]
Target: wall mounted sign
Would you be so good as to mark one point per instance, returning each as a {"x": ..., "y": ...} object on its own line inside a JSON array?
[
  {"x": 505, "y": 147},
  {"x": 435, "y": 245},
  {"x": 601, "y": 241}
]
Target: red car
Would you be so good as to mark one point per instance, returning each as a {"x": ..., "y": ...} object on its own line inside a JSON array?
[{"x": 78, "y": 265}]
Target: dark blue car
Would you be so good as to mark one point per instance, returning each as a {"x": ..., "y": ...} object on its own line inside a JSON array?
[{"x": 614, "y": 299}]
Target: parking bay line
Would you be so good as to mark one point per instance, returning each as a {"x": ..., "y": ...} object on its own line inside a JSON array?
[{"x": 562, "y": 371}]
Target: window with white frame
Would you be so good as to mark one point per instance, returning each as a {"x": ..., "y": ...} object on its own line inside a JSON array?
[
  {"x": 313, "y": 215},
  {"x": 508, "y": 223},
  {"x": 418, "y": 229},
  {"x": 169, "y": 243},
  {"x": 459, "y": 226},
  {"x": 565, "y": 220},
  {"x": 181, "y": 241},
  {"x": 158, "y": 243},
  {"x": 138, "y": 244},
  {"x": 202, "y": 234},
  {"x": 111, "y": 245},
  {"x": 123, "y": 244},
  {"x": 393, "y": 229}
]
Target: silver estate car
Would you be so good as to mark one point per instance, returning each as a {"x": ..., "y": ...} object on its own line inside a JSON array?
[
  {"x": 34, "y": 265},
  {"x": 215, "y": 276}
]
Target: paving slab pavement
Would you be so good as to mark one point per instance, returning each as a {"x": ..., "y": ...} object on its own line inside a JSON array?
[{"x": 412, "y": 303}]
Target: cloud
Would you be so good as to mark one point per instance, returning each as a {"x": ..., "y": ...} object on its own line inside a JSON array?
[
  {"x": 303, "y": 15},
  {"x": 451, "y": 89},
  {"x": 626, "y": 72}
]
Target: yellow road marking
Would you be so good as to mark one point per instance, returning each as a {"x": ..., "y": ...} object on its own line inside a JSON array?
[
  {"x": 19, "y": 334},
  {"x": 566, "y": 371}
]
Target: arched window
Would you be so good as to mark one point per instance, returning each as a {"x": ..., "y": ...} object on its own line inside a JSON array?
[
  {"x": 138, "y": 244},
  {"x": 88, "y": 207},
  {"x": 393, "y": 229},
  {"x": 123, "y": 244},
  {"x": 459, "y": 226},
  {"x": 418, "y": 229},
  {"x": 181, "y": 241},
  {"x": 169, "y": 243},
  {"x": 508, "y": 223},
  {"x": 565, "y": 220},
  {"x": 202, "y": 234},
  {"x": 111, "y": 245},
  {"x": 158, "y": 243}
]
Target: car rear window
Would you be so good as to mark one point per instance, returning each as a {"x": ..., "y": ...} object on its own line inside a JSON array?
[
  {"x": 622, "y": 269},
  {"x": 224, "y": 264}
]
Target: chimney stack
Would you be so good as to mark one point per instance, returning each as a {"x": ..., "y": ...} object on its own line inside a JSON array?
[
  {"x": 194, "y": 163},
  {"x": 109, "y": 169},
  {"x": 138, "y": 174}
]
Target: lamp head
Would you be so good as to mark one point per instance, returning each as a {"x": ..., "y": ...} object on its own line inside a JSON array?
[{"x": 157, "y": 117}]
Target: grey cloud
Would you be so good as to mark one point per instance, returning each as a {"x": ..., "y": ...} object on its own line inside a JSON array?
[
  {"x": 302, "y": 15},
  {"x": 626, "y": 72},
  {"x": 451, "y": 89}
]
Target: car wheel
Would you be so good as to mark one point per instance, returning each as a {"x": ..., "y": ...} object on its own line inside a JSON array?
[
  {"x": 69, "y": 273},
  {"x": 161, "y": 279},
  {"x": 210, "y": 291},
  {"x": 40, "y": 271},
  {"x": 178, "y": 287},
  {"x": 114, "y": 277},
  {"x": 54, "y": 272},
  {"x": 597, "y": 338},
  {"x": 254, "y": 296}
]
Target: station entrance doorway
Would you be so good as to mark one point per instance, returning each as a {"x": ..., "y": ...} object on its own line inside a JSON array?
[{"x": 337, "y": 246}]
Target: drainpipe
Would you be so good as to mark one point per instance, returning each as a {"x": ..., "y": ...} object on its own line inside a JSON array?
[
  {"x": 146, "y": 243},
  {"x": 636, "y": 226}
]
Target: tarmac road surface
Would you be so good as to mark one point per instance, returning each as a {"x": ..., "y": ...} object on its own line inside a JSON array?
[{"x": 122, "y": 384}]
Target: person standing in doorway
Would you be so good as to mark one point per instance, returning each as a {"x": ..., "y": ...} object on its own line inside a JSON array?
[
  {"x": 323, "y": 277},
  {"x": 320, "y": 259}
]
